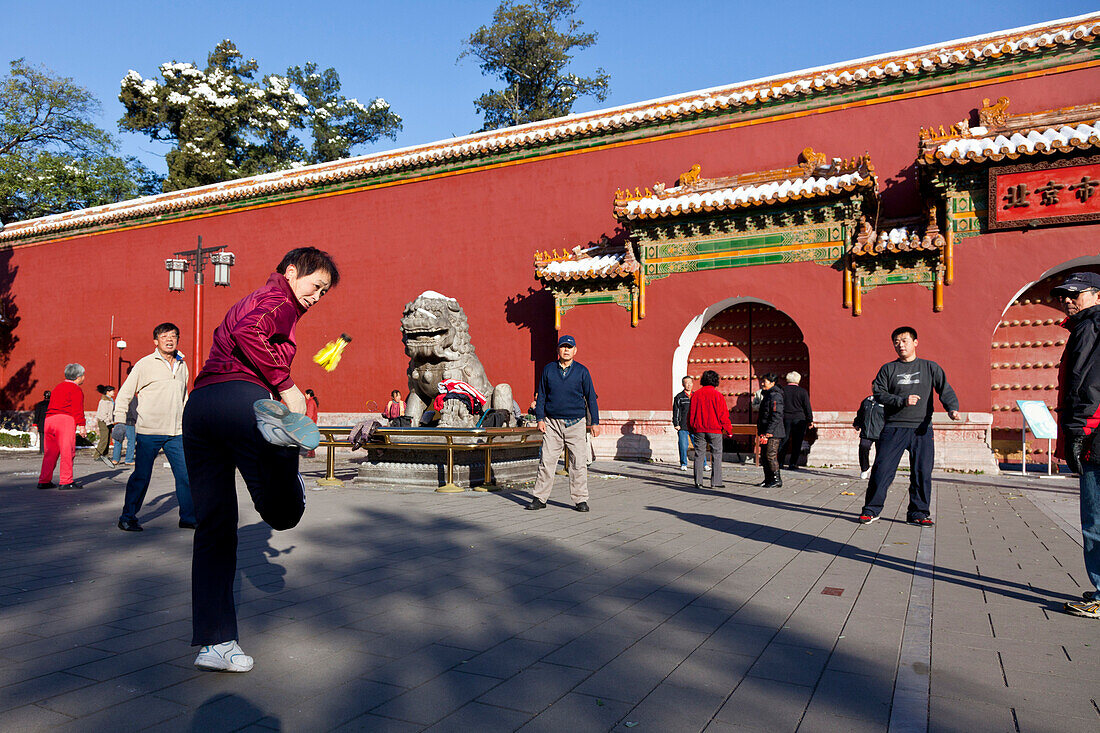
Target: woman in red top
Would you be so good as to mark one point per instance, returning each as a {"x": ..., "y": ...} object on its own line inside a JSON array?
[
  {"x": 64, "y": 418},
  {"x": 311, "y": 413},
  {"x": 708, "y": 419},
  {"x": 228, "y": 427}
]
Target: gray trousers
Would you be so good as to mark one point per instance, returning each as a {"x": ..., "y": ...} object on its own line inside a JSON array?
[
  {"x": 701, "y": 440},
  {"x": 556, "y": 437}
]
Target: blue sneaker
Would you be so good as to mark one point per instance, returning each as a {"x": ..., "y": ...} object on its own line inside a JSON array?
[{"x": 282, "y": 427}]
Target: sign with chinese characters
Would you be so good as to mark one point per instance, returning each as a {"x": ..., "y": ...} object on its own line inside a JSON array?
[{"x": 1039, "y": 194}]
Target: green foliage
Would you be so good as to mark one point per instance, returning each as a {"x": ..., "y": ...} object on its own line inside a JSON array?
[
  {"x": 52, "y": 157},
  {"x": 227, "y": 124},
  {"x": 528, "y": 47},
  {"x": 18, "y": 440}
]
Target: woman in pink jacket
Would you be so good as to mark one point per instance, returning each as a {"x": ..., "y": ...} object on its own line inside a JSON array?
[
  {"x": 64, "y": 418},
  {"x": 233, "y": 422}
]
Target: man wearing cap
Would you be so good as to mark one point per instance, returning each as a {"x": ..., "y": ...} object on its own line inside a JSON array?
[
  {"x": 1079, "y": 415},
  {"x": 565, "y": 397}
]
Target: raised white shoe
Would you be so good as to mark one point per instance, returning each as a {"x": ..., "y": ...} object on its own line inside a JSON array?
[
  {"x": 224, "y": 657},
  {"x": 280, "y": 426}
]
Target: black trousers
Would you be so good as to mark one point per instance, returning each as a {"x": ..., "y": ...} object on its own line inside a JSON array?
[
  {"x": 792, "y": 443},
  {"x": 220, "y": 437},
  {"x": 865, "y": 445},
  {"x": 891, "y": 444}
]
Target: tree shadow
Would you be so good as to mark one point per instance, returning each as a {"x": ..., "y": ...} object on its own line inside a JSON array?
[{"x": 19, "y": 384}]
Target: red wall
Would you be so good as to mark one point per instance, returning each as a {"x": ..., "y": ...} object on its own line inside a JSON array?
[{"x": 472, "y": 237}]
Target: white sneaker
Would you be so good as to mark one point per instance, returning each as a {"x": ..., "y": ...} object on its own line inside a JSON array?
[
  {"x": 683, "y": 468},
  {"x": 706, "y": 467},
  {"x": 865, "y": 474},
  {"x": 280, "y": 426},
  {"x": 224, "y": 657}
]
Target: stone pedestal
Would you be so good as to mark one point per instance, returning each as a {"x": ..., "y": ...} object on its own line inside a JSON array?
[{"x": 960, "y": 446}]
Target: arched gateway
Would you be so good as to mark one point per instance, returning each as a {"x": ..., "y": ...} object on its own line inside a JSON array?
[{"x": 1025, "y": 356}]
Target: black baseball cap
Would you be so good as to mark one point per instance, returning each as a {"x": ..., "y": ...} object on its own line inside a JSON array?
[
  {"x": 1075, "y": 283},
  {"x": 567, "y": 341}
]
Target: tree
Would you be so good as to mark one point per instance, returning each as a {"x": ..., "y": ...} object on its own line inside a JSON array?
[
  {"x": 225, "y": 124},
  {"x": 53, "y": 158},
  {"x": 528, "y": 47}
]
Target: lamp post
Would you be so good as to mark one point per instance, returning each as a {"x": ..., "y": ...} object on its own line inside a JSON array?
[
  {"x": 120, "y": 345},
  {"x": 196, "y": 260}
]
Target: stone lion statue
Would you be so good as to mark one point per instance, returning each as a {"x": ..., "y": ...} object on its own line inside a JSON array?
[{"x": 436, "y": 335}]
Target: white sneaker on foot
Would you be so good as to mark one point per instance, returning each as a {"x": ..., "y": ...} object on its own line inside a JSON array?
[
  {"x": 224, "y": 657},
  {"x": 683, "y": 468},
  {"x": 865, "y": 474},
  {"x": 280, "y": 426}
]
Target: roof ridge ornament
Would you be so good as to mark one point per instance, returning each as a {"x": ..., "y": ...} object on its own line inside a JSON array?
[{"x": 993, "y": 115}]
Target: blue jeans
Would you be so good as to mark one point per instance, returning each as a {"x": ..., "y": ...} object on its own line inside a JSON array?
[
  {"x": 148, "y": 446},
  {"x": 1090, "y": 520},
  {"x": 685, "y": 441},
  {"x": 131, "y": 436}
]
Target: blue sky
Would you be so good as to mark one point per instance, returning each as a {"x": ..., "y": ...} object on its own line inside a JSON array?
[{"x": 406, "y": 51}]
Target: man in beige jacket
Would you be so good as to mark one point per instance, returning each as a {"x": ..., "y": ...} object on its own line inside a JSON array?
[{"x": 159, "y": 384}]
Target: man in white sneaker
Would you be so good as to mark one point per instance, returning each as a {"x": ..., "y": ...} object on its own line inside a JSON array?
[
  {"x": 681, "y": 407},
  {"x": 1079, "y": 415}
]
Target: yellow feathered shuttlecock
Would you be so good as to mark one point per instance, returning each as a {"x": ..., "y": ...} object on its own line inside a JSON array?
[{"x": 329, "y": 356}]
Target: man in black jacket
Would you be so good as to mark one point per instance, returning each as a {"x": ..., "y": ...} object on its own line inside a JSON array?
[
  {"x": 40, "y": 419},
  {"x": 1079, "y": 415},
  {"x": 681, "y": 406},
  {"x": 798, "y": 417},
  {"x": 904, "y": 386},
  {"x": 769, "y": 429}
]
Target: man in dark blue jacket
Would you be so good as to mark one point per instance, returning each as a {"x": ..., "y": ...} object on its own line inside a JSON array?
[
  {"x": 566, "y": 397},
  {"x": 1079, "y": 414}
]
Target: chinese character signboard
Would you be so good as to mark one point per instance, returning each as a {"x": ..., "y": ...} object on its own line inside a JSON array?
[{"x": 1037, "y": 194}]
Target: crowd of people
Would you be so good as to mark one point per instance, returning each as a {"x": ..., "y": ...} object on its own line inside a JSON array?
[{"x": 245, "y": 414}]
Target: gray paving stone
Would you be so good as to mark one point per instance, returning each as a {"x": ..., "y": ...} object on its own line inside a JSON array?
[
  {"x": 579, "y": 713},
  {"x": 478, "y": 716},
  {"x": 797, "y": 665},
  {"x": 535, "y": 688},
  {"x": 436, "y": 699},
  {"x": 765, "y": 704}
]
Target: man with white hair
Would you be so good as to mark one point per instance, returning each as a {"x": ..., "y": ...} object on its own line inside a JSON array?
[{"x": 798, "y": 417}]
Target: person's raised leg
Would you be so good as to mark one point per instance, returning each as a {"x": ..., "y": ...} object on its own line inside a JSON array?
[
  {"x": 173, "y": 451},
  {"x": 138, "y": 484},
  {"x": 891, "y": 444}
]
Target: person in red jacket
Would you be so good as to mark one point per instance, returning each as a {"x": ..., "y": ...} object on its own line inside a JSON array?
[
  {"x": 230, "y": 424},
  {"x": 311, "y": 413},
  {"x": 708, "y": 419},
  {"x": 64, "y": 418}
]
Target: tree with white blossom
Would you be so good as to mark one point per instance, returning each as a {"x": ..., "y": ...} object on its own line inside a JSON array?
[{"x": 225, "y": 123}]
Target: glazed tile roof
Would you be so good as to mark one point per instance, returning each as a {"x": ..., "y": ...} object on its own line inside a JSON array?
[
  {"x": 813, "y": 178},
  {"x": 901, "y": 235},
  {"x": 1001, "y": 135},
  {"x": 911, "y": 63},
  {"x": 607, "y": 259}
]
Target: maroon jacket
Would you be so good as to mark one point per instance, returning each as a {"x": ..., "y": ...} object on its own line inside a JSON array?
[
  {"x": 255, "y": 341},
  {"x": 709, "y": 413}
]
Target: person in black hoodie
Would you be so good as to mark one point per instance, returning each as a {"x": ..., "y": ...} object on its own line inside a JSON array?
[
  {"x": 681, "y": 407},
  {"x": 904, "y": 386},
  {"x": 798, "y": 417},
  {"x": 1079, "y": 415},
  {"x": 769, "y": 428}
]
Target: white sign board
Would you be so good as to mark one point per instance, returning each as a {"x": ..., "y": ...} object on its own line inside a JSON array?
[{"x": 1039, "y": 419}]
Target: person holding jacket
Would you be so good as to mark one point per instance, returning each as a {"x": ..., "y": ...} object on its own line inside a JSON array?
[
  {"x": 232, "y": 424},
  {"x": 770, "y": 429},
  {"x": 1079, "y": 415},
  {"x": 64, "y": 418},
  {"x": 869, "y": 419},
  {"x": 709, "y": 419},
  {"x": 681, "y": 409}
]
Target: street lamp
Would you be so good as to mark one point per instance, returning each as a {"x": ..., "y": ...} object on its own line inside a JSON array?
[
  {"x": 120, "y": 345},
  {"x": 196, "y": 259}
]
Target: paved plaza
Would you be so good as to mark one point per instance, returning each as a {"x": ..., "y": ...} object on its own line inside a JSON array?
[{"x": 666, "y": 608}]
